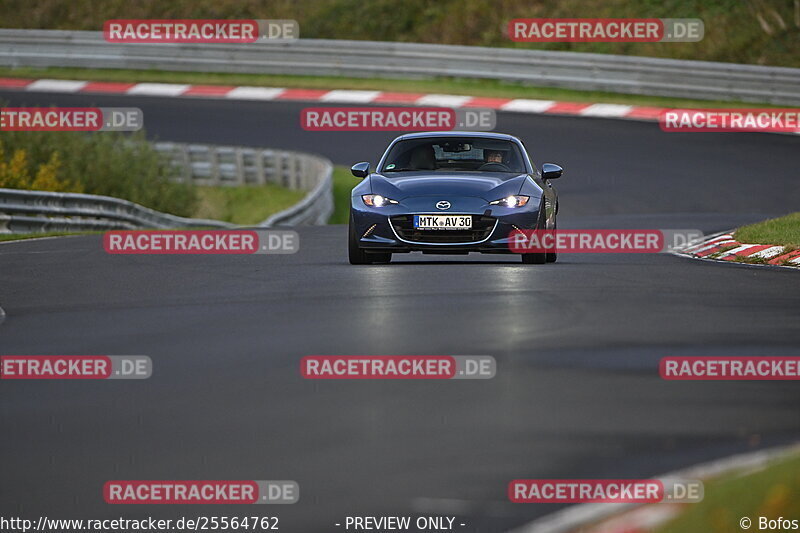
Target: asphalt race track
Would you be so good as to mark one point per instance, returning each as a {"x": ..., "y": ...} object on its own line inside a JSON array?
[{"x": 577, "y": 393}]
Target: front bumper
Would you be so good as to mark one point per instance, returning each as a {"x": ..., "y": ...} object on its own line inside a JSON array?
[{"x": 390, "y": 228}]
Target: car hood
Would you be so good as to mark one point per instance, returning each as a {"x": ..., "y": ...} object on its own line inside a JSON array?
[{"x": 487, "y": 185}]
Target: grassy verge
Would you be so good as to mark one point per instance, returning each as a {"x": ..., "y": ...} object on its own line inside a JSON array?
[
  {"x": 22, "y": 236},
  {"x": 771, "y": 493},
  {"x": 343, "y": 183},
  {"x": 467, "y": 87},
  {"x": 783, "y": 230},
  {"x": 244, "y": 205}
]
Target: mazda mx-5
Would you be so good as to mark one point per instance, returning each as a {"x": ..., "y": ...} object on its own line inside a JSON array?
[{"x": 450, "y": 193}]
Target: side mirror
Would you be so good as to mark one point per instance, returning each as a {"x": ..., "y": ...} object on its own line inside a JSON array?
[
  {"x": 360, "y": 170},
  {"x": 550, "y": 171}
]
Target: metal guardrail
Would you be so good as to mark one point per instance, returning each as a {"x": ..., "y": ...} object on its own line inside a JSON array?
[
  {"x": 35, "y": 211},
  {"x": 203, "y": 164},
  {"x": 595, "y": 72},
  {"x": 24, "y": 211}
]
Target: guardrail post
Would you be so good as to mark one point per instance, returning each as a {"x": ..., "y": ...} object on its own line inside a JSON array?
[
  {"x": 213, "y": 165},
  {"x": 186, "y": 164},
  {"x": 241, "y": 178},
  {"x": 305, "y": 174},
  {"x": 293, "y": 175},
  {"x": 282, "y": 169},
  {"x": 258, "y": 157}
]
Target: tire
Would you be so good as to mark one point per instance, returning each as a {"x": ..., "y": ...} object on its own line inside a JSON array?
[
  {"x": 552, "y": 257},
  {"x": 534, "y": 259},
  {"x": 358, "y": 256},
  {"x": 381, "y": 258}
]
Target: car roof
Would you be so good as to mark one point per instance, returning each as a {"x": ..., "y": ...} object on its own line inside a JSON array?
[{"x": 476, "y": 134}]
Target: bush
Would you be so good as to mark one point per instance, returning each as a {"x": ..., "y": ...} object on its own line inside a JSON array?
[
  {"x": 107, "y": 163},
  {"x": 16, "y": 173}
]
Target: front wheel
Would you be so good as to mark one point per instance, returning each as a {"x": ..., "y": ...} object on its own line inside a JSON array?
[
  {"x": 534, "y": 259},
  {"x": 358, "y": 256},
  {"x": 552, "y": 257},
  {"x": 537, "y": 258}
]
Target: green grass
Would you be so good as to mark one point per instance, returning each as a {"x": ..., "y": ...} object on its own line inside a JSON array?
[
  {"x": 779, "y": 231},
  {"x": 750, "y": 260},
  {"x": 771, "y": 492},
  {"x": 244, "y": 205},
  {"x": 343, "y": 183},
  {"x": 22, "y": 236},
  {"x": 467, "y": 87}
]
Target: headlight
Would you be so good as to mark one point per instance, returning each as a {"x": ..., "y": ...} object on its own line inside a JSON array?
[
  {"x": 512, "y": 201},
  {"x": 376, "y": 200}
]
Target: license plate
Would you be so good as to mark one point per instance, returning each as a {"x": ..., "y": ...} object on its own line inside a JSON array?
[{"x": 443, "y": 222}]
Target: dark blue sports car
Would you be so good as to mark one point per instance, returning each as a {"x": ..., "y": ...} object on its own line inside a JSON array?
[{"x": 450, "y": 193}]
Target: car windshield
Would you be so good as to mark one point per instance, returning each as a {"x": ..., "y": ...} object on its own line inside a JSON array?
[{"x": 445, "y": 154}]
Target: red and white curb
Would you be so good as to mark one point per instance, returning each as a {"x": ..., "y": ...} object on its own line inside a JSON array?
[
  {"x": 338, "y": 96},
  {"x": 724, "y": 247},
  {"x": 644, "y": 518}
]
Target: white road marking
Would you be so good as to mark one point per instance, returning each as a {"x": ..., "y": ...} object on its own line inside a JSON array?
[
  {"x": 58, "y": 86},
  {"x": 522, "y": 105},
  {"x": 738, "y": 249},
  {"x": 158, "y": 89},
  {"x": 768, "y": 253},
  {"x": 714, "y": 245},
  {"x": 255, "y": 93},
  {"x": 350, "y": 96},
  {"x": 606, "y": 110},
  {"x": 443, "y": 100}
]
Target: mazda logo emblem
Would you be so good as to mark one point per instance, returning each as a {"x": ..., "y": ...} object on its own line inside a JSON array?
[{"x": 444, "y": 204}]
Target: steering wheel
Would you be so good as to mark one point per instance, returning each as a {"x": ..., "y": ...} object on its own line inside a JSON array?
[{"x": 494, "y": 166}]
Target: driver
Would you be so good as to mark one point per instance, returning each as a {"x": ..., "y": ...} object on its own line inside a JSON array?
[{"x": 493, "y": 156}]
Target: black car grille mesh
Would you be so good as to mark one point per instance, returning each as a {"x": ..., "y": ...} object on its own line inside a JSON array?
[{"x": 481, "y": 228}]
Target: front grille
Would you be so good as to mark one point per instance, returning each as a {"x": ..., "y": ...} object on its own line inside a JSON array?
[{"x": 481, "y": 228}]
